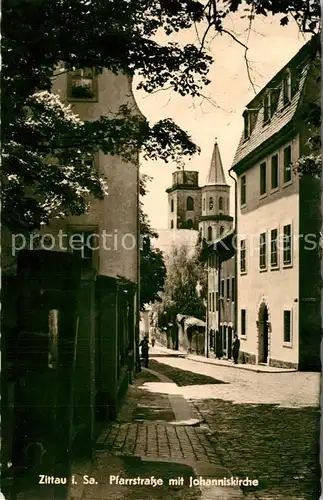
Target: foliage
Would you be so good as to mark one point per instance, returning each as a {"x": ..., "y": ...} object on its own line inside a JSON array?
[
  {"x": 152, "y": 266},
  {"x": 44, "y": 145},
  {"x": 184, "y": 272}
]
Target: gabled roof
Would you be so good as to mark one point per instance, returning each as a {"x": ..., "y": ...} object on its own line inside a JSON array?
[
  {"x": 299, "y": 66},
  {"x": 215, "y": 175}
]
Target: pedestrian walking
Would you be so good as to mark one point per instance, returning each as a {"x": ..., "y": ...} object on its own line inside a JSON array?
[
  {"x": 144, "y": 344},
  {"x": 235, "y": 348},
  {"x": 130, "y": 362}
]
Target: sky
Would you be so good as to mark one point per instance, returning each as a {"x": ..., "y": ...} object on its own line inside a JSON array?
[{"x": 219, "y": 116}]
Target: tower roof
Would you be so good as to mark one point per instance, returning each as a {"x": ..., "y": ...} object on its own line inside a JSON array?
[{"x": 216, "y": 172}]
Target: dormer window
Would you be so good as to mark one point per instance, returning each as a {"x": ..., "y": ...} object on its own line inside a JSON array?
[
  {"x": 267, "y": 107},
  {"x": 246, "y": 130},
  {"x": 287, "y": 88}
]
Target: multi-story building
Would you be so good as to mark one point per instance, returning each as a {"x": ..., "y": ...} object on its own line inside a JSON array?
[
  {"x": 278, "y": 222},
  {"x": 207, "y": 209},
  {"x": 77, "y": 295}
]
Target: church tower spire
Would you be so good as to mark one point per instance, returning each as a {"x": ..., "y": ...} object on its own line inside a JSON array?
[
  {"x": 216, "y": 219},
  {"x": 216, "y": 175}
]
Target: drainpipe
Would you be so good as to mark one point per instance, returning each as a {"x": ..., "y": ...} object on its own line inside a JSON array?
[
  {"x": 136, "y": 353},
  {"x": 236, "y": 259}
]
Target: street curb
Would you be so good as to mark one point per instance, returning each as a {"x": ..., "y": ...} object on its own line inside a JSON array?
[
  {"x": 208, "y": 361},
  {"x": 238, "y": 366}
]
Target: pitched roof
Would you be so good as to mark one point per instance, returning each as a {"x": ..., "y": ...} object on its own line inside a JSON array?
[
  {"x": 216, "y": 173},
  {"x": 299, "y": 66}
]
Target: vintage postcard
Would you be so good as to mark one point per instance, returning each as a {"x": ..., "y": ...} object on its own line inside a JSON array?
[{"x": 161, "y": 250}]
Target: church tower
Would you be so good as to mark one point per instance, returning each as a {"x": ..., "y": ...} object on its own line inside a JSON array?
[
  {"x": 215, "y": 217},
  {"x": 184, "y": 201}
]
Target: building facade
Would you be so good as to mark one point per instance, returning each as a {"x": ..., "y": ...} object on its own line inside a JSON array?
[
  {"x": 278, "y": 223},
  {"x": 205, "y": 208},
  {"x": 221, "y": 311},
  {"x": 73, "y": 327}
]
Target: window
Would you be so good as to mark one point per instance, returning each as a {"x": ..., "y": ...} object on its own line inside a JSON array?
[
  {"x": 213, "y": 302},
  {"x": 262, "y": 251},
  {"x": 203, "y": 204},
  {"x": 220, "y": 203},
  {"x": 274, "y": 171},
  {"x": 263, "y": 178},
  {"x": 82, "y": 243},
  {"x": 221, "y": 230},
  {"x": 228, "y": 288},
  {"x": 172, "y": 206},
  {"x": 217, "y": 301},
  {"x": 189, "y": 224},
  {"x": 233, "y": 289},
  {"x": 209, "y": 233},
  {"x": 189, "y": 203},
  {"x": 210, "y": 302},
  {"x": 273, "y": 248},
  {"x": 267, "y": 110},
  {"x": 81, "y": 84},
  {"x": 287, "y": 87},
  {"x": 287, "y": 164},
  {"x": 211, "y": 204},
  {"x": 243, "y": 190},
  {"x": 287, "y": 326},
  {"x": 243, "y": 322},
  {"x": 246, "y": 127},
  {"x": 222, "y": 288},
  {"x": 243, "y": 256},
  {"x": 287, "y": 244}
]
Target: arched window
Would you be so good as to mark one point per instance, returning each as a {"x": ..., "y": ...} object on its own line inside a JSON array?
[
  {"x": 203, "y": 204},
  {"x": 189, "y": 224},
  {"x": 189, "y": 203},
  {"x": 172, "y": 224},
  {"x": 172, "y": 206},
  {"x": 221, "y": 230},
  {"x": 211, "y": 203},
  {"x": 209, "y": 233},
  {"x": 220, "y": 203}
]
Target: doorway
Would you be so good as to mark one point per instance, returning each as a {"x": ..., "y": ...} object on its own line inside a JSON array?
[{"x": 263, "y": 338}]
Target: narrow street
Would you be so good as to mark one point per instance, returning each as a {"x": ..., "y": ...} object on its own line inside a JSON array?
[{"x": 184, "y": 419}]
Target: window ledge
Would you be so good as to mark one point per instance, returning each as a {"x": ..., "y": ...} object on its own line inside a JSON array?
[
  {"x": 263, "y": 195},
  {"x": 82, "y": 99},
  {"x": 274, "y": 190},
  {"x": 243, "y": 206},
  {"x": 287, "y": 266},
  {"x": 263, "y": 269},
  {"x": 288, "y": 183},
  {"x": 243, "y": 337},
  {"x": 246, "y": 139},
  {"x": 274, "y": 268},
  {"x": 288, "y": 345},
  {"x": 243, "y": 272}
]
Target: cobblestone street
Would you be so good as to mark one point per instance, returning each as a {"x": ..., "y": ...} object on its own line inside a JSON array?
[
  {"x": 262, "y": 425},
  {"x": 237, "y": 423}
]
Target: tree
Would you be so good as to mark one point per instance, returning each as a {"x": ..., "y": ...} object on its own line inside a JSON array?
[
  {"x": 184, "y": 272},
  {"x": 152, "y": 266},
  {"x": 45, "y": 173}
]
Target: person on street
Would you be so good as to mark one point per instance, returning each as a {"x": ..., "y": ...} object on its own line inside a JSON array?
[
  {"x": 130, "y": 361},
  {"x": 144, "y": 344},
  {"x": 235, "y": 348}
]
